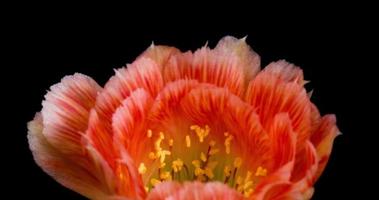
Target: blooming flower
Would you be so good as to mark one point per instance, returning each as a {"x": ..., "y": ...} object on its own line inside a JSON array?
[{"x": 208, "y": 124}]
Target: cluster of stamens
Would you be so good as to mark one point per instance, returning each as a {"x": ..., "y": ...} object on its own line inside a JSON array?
[{"x": 165, "y": 165}]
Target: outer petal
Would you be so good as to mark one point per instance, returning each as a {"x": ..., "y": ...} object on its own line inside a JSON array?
[
  {"x": 194, "y": 191},
  {"x": 143, "y": 73},
  {"x": 322, "y": 139},
  {"x": 159, "y": 54},
  {"x": 65, "y": 171},
  {"x": 285, "y": 71},
  {"x": 270, "y": 95},
  {"x": 65, "y": 112},
  {"x": 231, "y": 64}
]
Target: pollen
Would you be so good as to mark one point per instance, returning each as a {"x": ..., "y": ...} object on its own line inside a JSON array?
[
  {"x": 177, "y": 165},
  {"x": 188, "y": 141},
  {"x": 261, "y": 171},
  {"x": 201, "y": 132},
  {"x": 227, "y": 143},
  {"x": 149, "y": 133},
  {"x": 142, "y": 168},
  {"x": 237, "y": 162},
  {"x": 154, "y": 182}
]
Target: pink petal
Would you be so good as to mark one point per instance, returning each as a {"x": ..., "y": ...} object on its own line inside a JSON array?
[
  {"x": 270, "y": 95},
  {"x": 65, "y": 171},
  {"x": 322, "y": 139},
  {"x": 65, "y": 112},
  {"x": 286, "y": 71},
  {"x": 231, "y": 64},
  {"x": 193, "y": 191},
  {"x": 283, "y": 141},
  {"x": 129, "y": 123}
]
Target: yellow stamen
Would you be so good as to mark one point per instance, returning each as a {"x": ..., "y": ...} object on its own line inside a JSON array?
[
  {"x": 213, "y": 151},
  {"x": 227, "y": 171},
  {"x": 188, "y": 141},
  {"x": 165, "y": 175},
  {"x": 177, "y": 165},
  {"x": 149, "y": 133},
  {"x": 142, "y": 168},
  {"x": 154, "y": 181},
  {"x": 203, "y": 157},
  {"x": 261, "y": 171},
  {"x": 237, "y": 162},
  {"x": 171, "y": 142},
  {"x": 201, "y": 132},
  {"x": 196, "y": 163},
  {"x": 227, "y": 143}
]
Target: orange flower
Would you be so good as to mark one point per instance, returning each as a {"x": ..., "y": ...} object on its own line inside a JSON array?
[{"x": 208, "y": 124}]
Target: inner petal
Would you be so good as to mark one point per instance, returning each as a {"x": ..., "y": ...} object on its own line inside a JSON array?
[{"x": 204, "y": 134}]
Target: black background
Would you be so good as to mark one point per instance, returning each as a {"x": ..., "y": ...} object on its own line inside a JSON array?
[{"x": 326, "y": 48}]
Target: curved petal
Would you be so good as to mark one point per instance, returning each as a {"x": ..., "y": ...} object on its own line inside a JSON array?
[
  {"x": 65, "y": 112},
  {"x": 159, "y": 54},
  {"x": 223, "y": 111},
  {"x": 129, "y": 123},
  {"x": 194, "y": 191},
  {"x": 322, "y": 139},
  {"x": 286, "y": 71},
  {"x": 270, "y": 95},
  {"x": 143, "y": 73},
  {"x": 278, "y": 178},
  {"x": 248, "y": 60},
  {"x": 63, "y": 170},
  {"x": 283, "y": 141},
  {"x": 231, "y": 64}
]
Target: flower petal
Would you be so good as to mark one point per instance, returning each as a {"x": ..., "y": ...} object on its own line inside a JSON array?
[
  {"x": 231, "y": 64},
  {"x": 225, "y": 112},
  {"x": 248, "y": 60},
  {"x": 322, "y": 139},
  {"x": 129, "y": 123},
  {"x": 283, "y": 141},
  {"x": 194, "y": 191},
  {"x": 63, "y": 170},
  {"x": 159, "y": 54},
  {"x": 270, "y": 95},
  {"x": 143, "y": 73},
  {"x": 65, "y": 112},
  {"x": 286, "y": 71}
]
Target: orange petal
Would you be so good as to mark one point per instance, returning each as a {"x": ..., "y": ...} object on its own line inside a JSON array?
[
  {"x": 283, "y": 141},
  {"x": 193, "y": 191},
  {"x": 270, "y": 95},
  {"x": 322, "y": 139},
  {"x": 231, "y": 64},
  {"x": 169, "y": 98},
  {"x": 224, "y": 111},
  {"x": 286, "y": 71},
  {"x": 143, "y": 73},
  {"x": 129, "y": 122},
  {"x": 277, "y": 178},
  {"x": 159, "y": 54},
  {"x": 63, "y": 170},
  {"x": 65, "y": 112}
]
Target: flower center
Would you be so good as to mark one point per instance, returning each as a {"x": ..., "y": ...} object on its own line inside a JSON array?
[{"x": 198, "y": 156}]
